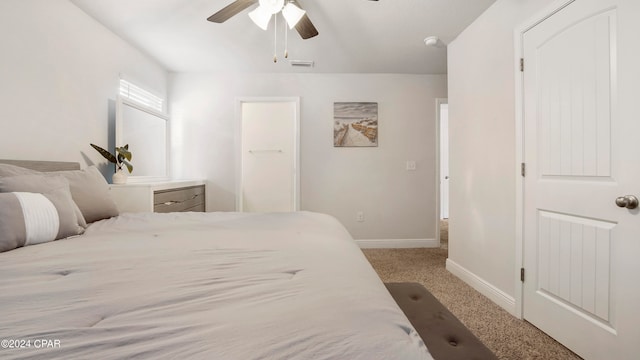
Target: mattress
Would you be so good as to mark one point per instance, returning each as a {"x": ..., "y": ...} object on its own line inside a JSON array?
[{"x": 201, "y": 286}]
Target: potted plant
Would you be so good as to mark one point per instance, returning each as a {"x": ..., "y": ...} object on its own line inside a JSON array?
[{"x": 122, "y": 157}]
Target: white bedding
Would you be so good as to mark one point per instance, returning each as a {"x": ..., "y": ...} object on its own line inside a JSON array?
[{"x": 201, "y": 286}]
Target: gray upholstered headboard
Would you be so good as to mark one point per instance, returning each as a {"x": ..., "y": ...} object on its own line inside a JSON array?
[{"x": 43, "y": 165}]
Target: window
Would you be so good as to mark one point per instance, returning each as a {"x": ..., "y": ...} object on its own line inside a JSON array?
[{"x": 141, "y": 96}]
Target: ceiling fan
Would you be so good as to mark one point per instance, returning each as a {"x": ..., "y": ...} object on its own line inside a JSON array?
[{"x": 291, "y": 10}]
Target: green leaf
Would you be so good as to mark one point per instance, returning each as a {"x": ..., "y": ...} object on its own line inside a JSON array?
[
  {"x": 107, "y": 155},
  {"x": 128, "y": 165},
  {"x": 122, "y": 151}
]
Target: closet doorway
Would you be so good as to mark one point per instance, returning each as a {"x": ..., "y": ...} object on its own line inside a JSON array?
[
  {"x": 442, "y": 125},
  {"x": 268, "y": 155},
  {"x": 443, "y": 118}
]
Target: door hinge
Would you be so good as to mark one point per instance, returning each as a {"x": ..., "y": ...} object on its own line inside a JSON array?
[
  {"x": 522, "y": 64},
  {"x": 522, "y": 274},
  {"x": 523, "y": 169}
]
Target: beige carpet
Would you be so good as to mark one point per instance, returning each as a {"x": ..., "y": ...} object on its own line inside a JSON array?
[{"x": 506, "y": 336}]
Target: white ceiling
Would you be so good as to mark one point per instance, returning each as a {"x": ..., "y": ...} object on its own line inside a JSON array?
[{"x": 356, "y": 36}]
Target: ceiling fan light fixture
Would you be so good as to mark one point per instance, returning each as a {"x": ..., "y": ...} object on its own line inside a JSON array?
[
  {"x": 292, "y": 14},
  {"x": 261, "y": 17}
]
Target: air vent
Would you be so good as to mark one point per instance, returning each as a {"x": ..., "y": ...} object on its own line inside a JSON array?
[{"x": 301, "y": 63}]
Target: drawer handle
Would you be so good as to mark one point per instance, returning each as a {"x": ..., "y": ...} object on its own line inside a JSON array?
[{"x": 168, "y": 203}]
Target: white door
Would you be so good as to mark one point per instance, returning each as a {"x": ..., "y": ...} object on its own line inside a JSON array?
[
  {"x": 581, "y": 126},
  {"x": 268, "y": 156},
  {"x": 444, "y": 161}
]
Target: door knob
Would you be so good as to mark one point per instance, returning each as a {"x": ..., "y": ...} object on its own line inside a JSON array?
[{"x": 628, "y": 201}]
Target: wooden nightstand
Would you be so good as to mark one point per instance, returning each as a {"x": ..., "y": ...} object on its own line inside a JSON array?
[{"x": 167, "y": 196}]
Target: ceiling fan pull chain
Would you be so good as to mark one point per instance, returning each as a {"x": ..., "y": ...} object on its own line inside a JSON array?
[
  {"x": 275, "y": 39},
  {"x": 286, "y": 42}
]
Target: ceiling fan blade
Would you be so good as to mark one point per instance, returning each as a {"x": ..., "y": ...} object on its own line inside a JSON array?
[
  {"x": 230, "y": 10},
  {"x": 305, "y": 27}
]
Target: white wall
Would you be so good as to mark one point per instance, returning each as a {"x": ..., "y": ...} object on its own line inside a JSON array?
[
  {"x": 482, "y": 150},
  {"x": 60, "y": 69},
  {"x": 397, "y": 204}
]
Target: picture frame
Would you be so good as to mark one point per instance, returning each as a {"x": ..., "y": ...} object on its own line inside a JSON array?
[{"x": 355, "y": 124}]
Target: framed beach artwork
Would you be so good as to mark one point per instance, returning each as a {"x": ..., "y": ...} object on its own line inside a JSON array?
[{"x": 355, "y": 124}]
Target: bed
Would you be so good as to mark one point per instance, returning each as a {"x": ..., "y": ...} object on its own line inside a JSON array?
[{"x": 200, "y": 286}]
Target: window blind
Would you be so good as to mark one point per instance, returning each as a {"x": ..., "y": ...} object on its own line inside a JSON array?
[{"x": 141, "y": 96}]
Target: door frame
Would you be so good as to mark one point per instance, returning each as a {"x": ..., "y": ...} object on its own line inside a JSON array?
[
  {"x": 519, "y": 32},
  {"x": 296, "y": 146},
  {"x": 439, "y": 101}
]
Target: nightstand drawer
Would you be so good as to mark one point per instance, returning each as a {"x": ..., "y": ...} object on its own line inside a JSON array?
[{"x": 190, "y": 198}]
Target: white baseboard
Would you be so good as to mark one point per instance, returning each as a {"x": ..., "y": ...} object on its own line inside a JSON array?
[
  {"x": 397, "y": 243},
  {"x": 493, "y": 293}
]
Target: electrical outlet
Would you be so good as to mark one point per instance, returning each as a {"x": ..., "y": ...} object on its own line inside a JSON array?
[
  {"x": 411, "y": 165},
  {"x": 360, "y": 216}
]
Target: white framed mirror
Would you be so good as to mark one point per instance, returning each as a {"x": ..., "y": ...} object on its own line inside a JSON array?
[{"x": 147, "y": 133}]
